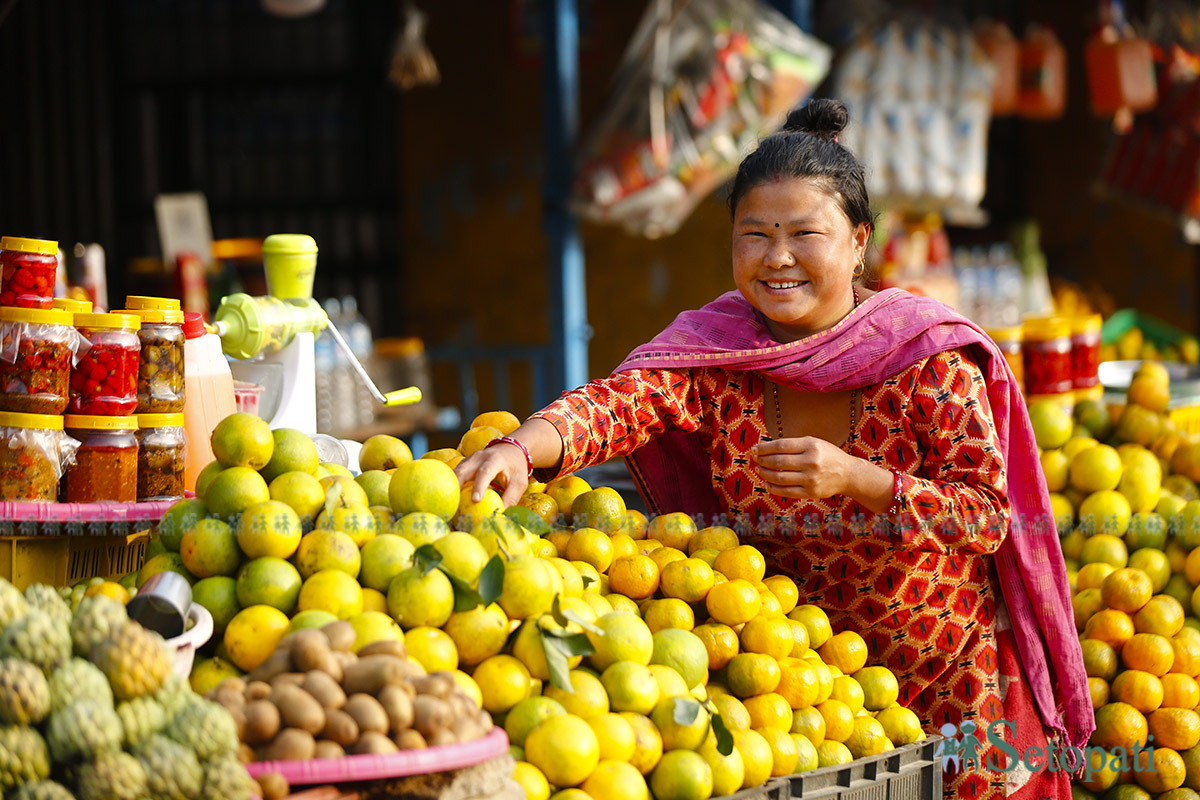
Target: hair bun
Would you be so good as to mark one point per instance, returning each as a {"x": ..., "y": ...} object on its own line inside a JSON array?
[{"x": 824, "y": 117}]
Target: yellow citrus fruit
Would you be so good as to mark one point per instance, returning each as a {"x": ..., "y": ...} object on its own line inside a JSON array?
[
  {"x": 646, "y": 546},
  {"x": 623, "y": 546},
  {"x": 447, "y": 455},
  {"x": 806, "y": 753},
  {"x": 373, "y": 626},
  {"x": 676, "y": 735},
  {"x": 809, "y": 722},
  {"x": 831, "y": 753},
  {"x": 1154, "y": 563},
  {"x": 839, "y": 719},
  {"x": 109, "y": 589},
  {"x": 720, "y": 641},
  {"x": 425, "y": 485},
  {"x": 1110, "y": 625},
  {"x": 733, "y": 602},
  {"x": 587, "y": 699},
  {"x": 630, "y": 687},
  {"x": 592, "y": 547},
  {"x": 847, "y": 651},
  {"x": 414, "y": 599},
  {"x": 529, "y": 587},
  {"x": 1126, "y": 590},
  {"x": 374, "y": 600},
  {"x": 668, "y": 613},
  {"x": 1091, "y": 576},
  {"x": 743, "y": 561},
  {"x": 648, "y": 749},
  {"x": 252, "y": 635},
  {"x": 1096, "y": 469},
  {"x": 564, "y": 748},
  {"x": 867, "y": 739},
  {"x": 1159, "y": 770},
  {"x": 750, "y": 674},
  {"x": 243, "y": 440},
  {"x": 602, "y": 509},
  {"x": 269, "y": 529},
  {"x": 681, "y": 775},
  {"x": 1163, "y": 615},
  {"x": 799, "y": 638},
  {"x": 476, "y": 439},
  {"x": 665, "y": 555},
  {"x": 503, "y": 421},
  {"x": 623, "y": 637},
  {"x": 1139, "y": 689},
  {"x": 432, "y": 648},
  {"x": 503, "y": 680},
  {"x": 728, "y": 771},
  {"x": 798, "y": 682},
  {"x": 1119, "y": 725},
  {"x": 815, "y": 621},
  {"x": 616, "y": 780},
  {"x": 670, "y": 682},
  {"x": 478, "y": 633},
  {"x": 768, "y": 710},
  {"x": 635, "y": 576},
  {"x": 1099, "y": 659},
  {"x": 1099, "y": 690},
  {"x": 732, "y": 712},
  {"x": 531, "y": 780},
  {"x": 527, "y": 715},
  {"x": 848, "y": 691},
  {"x": 614, "y": 736},
  {"x": 334, "y": 591},
  {"x": 1187, "y": 654},
  {"x": 1176, "y": 728},
  {"x": 565, "y": 489},
  {"x": 901, "y": 725},
  {"x": 716, "y": 538},
  {"x": 1180, "y": 691},
  {"x": 634, "y": 525},
  {"x": 1056, "y": 467},
  {"x": 784, "y": 589},
  {"x": 783, "y": 751},
  {"x": 771, "y": 636},
  {"x": 758, "y": 759},
  {"x": 689, "y": 580},
  {"x": 880, "y": 687},
  {"x": 1148, "y": 652},
  {"x": 673, "y": 530}
]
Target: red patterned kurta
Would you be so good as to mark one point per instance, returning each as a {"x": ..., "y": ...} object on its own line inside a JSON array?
[{"x": 922, "y": 592}]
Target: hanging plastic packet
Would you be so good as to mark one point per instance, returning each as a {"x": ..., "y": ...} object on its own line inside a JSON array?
[{"x": 412, "y": 64}]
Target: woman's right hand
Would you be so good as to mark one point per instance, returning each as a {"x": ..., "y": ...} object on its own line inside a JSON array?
[{"x": 504, "y": 463}]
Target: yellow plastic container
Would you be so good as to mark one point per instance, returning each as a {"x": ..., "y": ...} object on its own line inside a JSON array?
[{"x": 290, "y": 261}]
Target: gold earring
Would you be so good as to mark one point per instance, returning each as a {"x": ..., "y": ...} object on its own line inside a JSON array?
[{"x": 859, "y": 269}]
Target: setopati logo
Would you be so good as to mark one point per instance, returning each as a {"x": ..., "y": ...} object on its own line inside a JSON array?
[{"x": 965, "y": 748}]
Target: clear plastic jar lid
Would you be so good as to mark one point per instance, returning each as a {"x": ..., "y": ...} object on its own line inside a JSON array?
[
  {"x": 97, "y": 423},
  {"x": 160, "y": 420},
  {"x": 137, "y": 301},
  {"x": 74, "y": 306},
  {"x": 37, "y": 316},
  {"x": 116, "y": 322},
  {"x": 15, "y": 419},
  {"x": 43, "y": 247},
  {"x": 153, "y": 315}
]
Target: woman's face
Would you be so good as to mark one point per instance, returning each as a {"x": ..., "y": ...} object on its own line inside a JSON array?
[{"x": 794, "y": 255}]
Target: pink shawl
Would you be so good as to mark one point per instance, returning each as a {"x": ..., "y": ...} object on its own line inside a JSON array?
[{"x": 887, "y": 333}]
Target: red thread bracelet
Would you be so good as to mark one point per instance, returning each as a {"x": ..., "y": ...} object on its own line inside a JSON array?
[{"x": 519, "y": 446}]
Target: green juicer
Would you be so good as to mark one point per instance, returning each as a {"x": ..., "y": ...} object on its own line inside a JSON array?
[{"x": 274, "y": 335}]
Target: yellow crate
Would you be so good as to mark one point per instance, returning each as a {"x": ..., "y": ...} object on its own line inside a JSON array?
[{"x": 63, "y": 560}]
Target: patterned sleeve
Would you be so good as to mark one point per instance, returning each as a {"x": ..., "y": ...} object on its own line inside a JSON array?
[
  {"x": 958, "y": 499},
  {"x": 612, "y": 417}
]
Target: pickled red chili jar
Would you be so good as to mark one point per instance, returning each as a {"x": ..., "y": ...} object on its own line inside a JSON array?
[
  {"x": 105, "y": 376},
  {"x": 162, "y": 456},
  {"x": 1046, "y": 353},
  {"x": 28, "y": 269},
  {"x": 160, "y": 367},
  {"x": 1085, "y": 350},
  {"x": 36, "y": 348},
  {"x": 34, "y": 450},
  {"x": 106, "y": 463},
  {"x": 1009, "y": 341}
]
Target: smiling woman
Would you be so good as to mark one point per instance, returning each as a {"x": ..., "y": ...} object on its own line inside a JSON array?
[{"x": 872, "y": 446}]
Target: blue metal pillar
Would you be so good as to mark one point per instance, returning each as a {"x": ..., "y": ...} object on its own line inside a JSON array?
[
  {"x": 798, "y": 11},
  {"x": 569, "y": 330}
]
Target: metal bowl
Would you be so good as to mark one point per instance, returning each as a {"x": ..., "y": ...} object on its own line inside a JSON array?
[{"x": 1185, "y": 378}]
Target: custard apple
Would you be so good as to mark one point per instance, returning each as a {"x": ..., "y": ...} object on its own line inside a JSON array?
[
  {"x": 225, "y": 778},
  {"x": 140, "y": 717},
  {"x": 23, "y": 756},
  {"x": 46, "y": 598},
  {"x": 24, "y": 693},
  {"x": 135, "y": 660},
  {"x": 42, "y": 790},
  {"x": 78, "y": 680},
  {"x": 97, "y": 617},
  {"x": 205, "y": 728},
  {"x": 83, "y": 730},
  {"x": 172, "y": 771},
  {"x": 174, "y": 695},
  {"x": 112, "y": 776},
  {"x": 13, "y": 604},
  {"x": 38, "y": 639}
]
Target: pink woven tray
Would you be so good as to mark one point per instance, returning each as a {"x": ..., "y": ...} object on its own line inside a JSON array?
[
  {"x": 392, "y": 765},
  {"x": 84, "y": 512}
]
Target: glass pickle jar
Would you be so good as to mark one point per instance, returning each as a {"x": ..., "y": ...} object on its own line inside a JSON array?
[
  {"x": 28, "y": 269},
  {"x": 34, "y": 449},
  {"x": 160, "y": 367},
  {"x": 1047, "y": 355},
  {"x": 74, "y": 306},
  {"x": 36, "y": 347},
  {"x": 104, "y": 380},
  {"x": 1085, "y": 350},
  {"x": 162, "y": 456},
  {"x": 1009, "y": 341},
  {"x": 106, "y": 463}
]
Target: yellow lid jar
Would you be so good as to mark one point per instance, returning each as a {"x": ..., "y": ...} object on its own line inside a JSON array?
[
  {"x": 1046, "y": 355},
  {"x": 1010, "y": 341},
  {"x": 33, "y": 451},
  {"x": 1085, "y": 351}
]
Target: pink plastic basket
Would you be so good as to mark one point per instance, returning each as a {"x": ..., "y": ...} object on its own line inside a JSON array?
[{"x": 392, "y": 765}]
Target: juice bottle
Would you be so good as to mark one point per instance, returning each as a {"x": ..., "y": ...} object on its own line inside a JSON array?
[{"x": 209, "y": 394}]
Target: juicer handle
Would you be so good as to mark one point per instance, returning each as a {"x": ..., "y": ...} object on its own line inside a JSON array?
[
  {"x": 397, "y": 398},
  {"x": 403, "y": 397}
]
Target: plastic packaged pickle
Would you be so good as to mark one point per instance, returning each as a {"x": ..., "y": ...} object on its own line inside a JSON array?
[
  {"x": 36, "y": 348},
  {"x": 106, "y": 463},
  {"x": 104, "y": 380},
  {"x": 162, "y": 456},
  {"x": 34, "y": 452},
  {"x": 160, "y": 370},
  {"x": 28, "y": 268}
]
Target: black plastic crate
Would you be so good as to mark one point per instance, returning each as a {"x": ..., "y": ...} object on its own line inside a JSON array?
[
  {"x": 911, "y": 772},
  {"x": 773, "y": 789}
]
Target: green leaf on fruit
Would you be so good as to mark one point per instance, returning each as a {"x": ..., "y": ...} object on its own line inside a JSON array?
[
  {"x": 333, "y": 497},
  {"x": 571, "y": 616},
  {"x": 465, "y": 598},
  {"x": 571, "y": 644},
  {"x": 588, "y": 580},
  {"x": 427, "y": 558},
  {"x": 556, "y": 665},
  {"x": 686, "y": 711},
  {"x": 724, "y": 737},
  {"x": 491, "y": 581}
]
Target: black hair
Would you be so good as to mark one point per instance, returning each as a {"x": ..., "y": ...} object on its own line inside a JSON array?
[{"x": 807, "y": 147}]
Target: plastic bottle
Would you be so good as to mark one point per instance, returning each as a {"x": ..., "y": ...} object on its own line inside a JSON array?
[
  {"x": 1003, "y": 50},
  {"x": 209, "y": 393},
  {"x": 325, "y": 363},
  {"x": 1043, "y": 90},
  {"x": 358, "y": 336}
]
